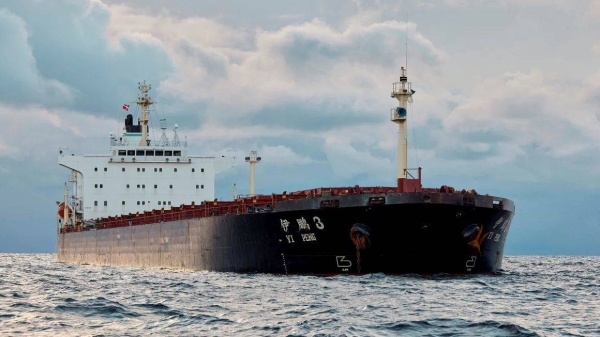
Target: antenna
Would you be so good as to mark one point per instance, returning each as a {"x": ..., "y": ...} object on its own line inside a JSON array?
[
  {"x": 164, "y": 141},
  {"x": 406, "y": 43}
]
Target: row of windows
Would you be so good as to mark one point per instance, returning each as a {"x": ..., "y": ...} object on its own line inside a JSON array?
[
  {"x": 143, "y": 169},
  {"x": 150, "y": 153},
  {"x": 144, "y": 186},
  {"x": 165, "y": 203}
]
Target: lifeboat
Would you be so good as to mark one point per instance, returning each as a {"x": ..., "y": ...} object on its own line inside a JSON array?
[{"x": 61, "y": 210}]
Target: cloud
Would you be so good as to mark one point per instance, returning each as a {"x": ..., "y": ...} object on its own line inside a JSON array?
[
  {"x": 529, "y": 121},
  {"x": 7, "y": 151},
  {"x": 507, "y": 3},
  {"x": 311, "y": 90},
  {"x": 34, "y": 133},
  {"x": 239, "y": 73},
  {"x": 282, "y": 155},
  {"x": 596, "y": 48},
  {"x": 58, "y": 55},
  {"x": 21, "y": 81},
  {"x": 593, "y": 11}
]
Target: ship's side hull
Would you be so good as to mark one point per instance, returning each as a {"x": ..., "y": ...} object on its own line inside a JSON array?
[{"x": 420, "y": 237}]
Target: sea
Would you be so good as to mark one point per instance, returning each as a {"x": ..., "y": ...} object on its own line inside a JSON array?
[{"x": 532, "y": 296}]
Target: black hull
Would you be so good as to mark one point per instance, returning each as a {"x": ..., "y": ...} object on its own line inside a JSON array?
[{"x": 410, "y": 233}]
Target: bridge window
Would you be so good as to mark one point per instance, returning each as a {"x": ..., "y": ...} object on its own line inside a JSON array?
[
  {"x": 193, "y": 170},
  {"x": 139, "y": 152},
  {"x": 123, "y": 169},
  {"x": 100, "y": 185},
  {"x": 168, "y": 153},
  {"x": 202, "y": 186},
  {"x": 131, "y": 152},
  {"x": 201, "y": 170},
  {"x": 105, "y": 169},
  {"x": 159, "y": 203},
  {"x": 96, "y": 169},
  {"x": 143, "y": 202},
  {"x": 138, "y": 202},
  {"x": 95, "y": 185},
  {"x": 143, "y": 169},
  {"x": 138, "y": 185},
  {"x": 143, "y": 186},
  {"x": 96, "y": 203},
  {"x": 170, "y": 186},
  {"x": 105, "y": 203},
  {"x": 122, "y": 153},
  {"x": 155, "y": 186},
  {"x": 158, "y": 153},
  {"x": 175, "y": 169},
  {"x": 155, "y": 169},
  {"x": 177, "y": 153},
  {"x": 164, "y": 202},
  {"x": 138, "y": 169},
  {"x": 169, "y": 203},
  {"x": 127, "y": 185},
  {"x": 197, "y": 186},
  {"x": 150, "y": 153},
  {"x": 123, "y": 202},
  {"x": 160, "y": 169}
]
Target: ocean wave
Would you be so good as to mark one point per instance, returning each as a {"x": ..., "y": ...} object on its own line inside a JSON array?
[{"x": 533, "y": 296}]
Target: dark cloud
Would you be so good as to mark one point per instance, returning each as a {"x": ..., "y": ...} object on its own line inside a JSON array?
[
  {"x": 21, "y": 81},
  {"x": 68, "y": 45},
  {"x": 309, "y": 116}
]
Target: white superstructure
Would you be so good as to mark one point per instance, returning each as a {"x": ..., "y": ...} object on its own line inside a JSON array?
[{"x": 139, "y": 174}]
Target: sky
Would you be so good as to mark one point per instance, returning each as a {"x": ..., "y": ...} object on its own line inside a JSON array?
[{"x": 507, "y": 99}]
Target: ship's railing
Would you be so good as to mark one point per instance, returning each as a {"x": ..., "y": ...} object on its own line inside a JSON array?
[
  {"x": 246, "y": 205},
  {"x": 397, "y": 88},
  {"x": 153, "y": 143}
]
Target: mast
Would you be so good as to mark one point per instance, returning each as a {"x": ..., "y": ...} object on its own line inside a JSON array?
[
  {"x": 253, "y": 159},
  {"x": 144, "y": 101},
  {"x": 403, "y": 92}
]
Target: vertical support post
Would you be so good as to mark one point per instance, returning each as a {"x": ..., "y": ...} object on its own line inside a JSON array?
[
  {"x": 252, "y": 159},
  {"x": 252, "y": 178},
  {"x": 403, "y": 92},
  {"x": 402, "y": 151}
]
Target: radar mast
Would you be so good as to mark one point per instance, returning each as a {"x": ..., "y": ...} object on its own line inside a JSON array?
[
  {"x": 403, "y": 92},
  {"x": 144, "y": 101}
]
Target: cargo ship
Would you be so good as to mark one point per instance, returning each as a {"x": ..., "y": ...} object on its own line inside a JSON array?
[{"x": 149, "y": 203}]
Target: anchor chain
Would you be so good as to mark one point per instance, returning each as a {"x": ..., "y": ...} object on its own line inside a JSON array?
[
  {"x": 360, "y": 236},
  {"x": 358, "y": 258},
  {"x": 284, "y": 264}
]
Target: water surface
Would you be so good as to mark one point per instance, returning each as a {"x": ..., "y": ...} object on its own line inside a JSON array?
[{"x": 534, "y": 296}]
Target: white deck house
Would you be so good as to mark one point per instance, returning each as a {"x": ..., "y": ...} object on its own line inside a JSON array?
[{"x": 139, "y": 174}]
